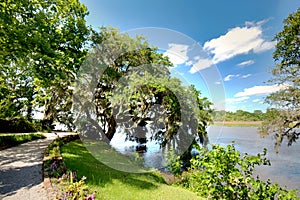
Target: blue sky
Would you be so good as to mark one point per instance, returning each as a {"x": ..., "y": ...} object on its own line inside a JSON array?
[{"x": 237, "y": 36}]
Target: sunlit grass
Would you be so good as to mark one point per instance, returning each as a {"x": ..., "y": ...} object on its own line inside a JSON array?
[
  {"x": 113, "y": 184},
  {"x": 8, "y": 140}
]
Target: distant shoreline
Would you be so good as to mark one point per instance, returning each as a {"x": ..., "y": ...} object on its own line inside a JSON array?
[{"x": 237, "y": 123}]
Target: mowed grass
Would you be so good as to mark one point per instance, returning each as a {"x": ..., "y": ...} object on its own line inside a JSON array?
[
  {"x": 9, "y": 140},
  {"x": 114, "y": 184}
]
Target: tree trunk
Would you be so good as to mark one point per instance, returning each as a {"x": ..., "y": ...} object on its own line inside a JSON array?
[{"x": 112, "y": 128}]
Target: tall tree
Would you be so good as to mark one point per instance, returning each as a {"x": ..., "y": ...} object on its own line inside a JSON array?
[
  {"x": 50, "y": 36},
  {"x": 286, "y": 72},
  {"x": 125, "y": 83},
  {"x": 17, "y": 90}
]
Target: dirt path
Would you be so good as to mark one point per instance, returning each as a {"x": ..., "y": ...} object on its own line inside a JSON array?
[{"x": 21, "y": 170}]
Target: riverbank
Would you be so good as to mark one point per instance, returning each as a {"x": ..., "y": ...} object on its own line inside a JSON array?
[
  {"x": 117, "y": 184},
  {"x": 238, "y": 123}
]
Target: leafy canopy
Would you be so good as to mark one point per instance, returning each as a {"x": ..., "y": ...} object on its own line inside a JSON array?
[
  {"x": 136, "y": 94},
  {"x": 286, "y": 119},
  {"x": 42, "y": 45}
]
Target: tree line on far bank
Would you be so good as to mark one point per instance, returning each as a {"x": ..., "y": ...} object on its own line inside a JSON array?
[{"x": 239, "y": 115}]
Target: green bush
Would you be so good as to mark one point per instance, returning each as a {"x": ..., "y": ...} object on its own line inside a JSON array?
[
  {"x": 174, "y": 163},
  {"x": 18, "y": 125},
  {"x": 222, "y": 173}
]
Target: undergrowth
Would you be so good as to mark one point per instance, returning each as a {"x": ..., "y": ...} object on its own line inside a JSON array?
[{"x": 66, "y": 183}]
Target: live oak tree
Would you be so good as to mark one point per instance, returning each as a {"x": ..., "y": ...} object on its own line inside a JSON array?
[
  {"x": 44, "y": 43},
  {"x": 126, "y": 84},
  {"x": 42, "y": 46},
  {"x": 284, "y": 120}
]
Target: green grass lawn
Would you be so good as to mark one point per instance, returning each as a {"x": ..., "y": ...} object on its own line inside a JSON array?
[
  {"x": 114, "y": 184},
  {"x": 9, "y": 140}
]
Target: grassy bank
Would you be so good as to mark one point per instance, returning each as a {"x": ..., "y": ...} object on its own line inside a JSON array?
[
  {"x": 7, "y": 140},
  {"x": 114, "y": 184},
  {"x": 238, "y": 123}
]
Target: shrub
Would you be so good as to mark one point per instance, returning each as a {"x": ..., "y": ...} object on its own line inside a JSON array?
[
  {"x": 174, "y": 163},
  {"x": 72, "y": 189},
  {"x": 69, "y": 186},
  {"x": 17, "y": 125},
  {"x": 222, "y": 173}
]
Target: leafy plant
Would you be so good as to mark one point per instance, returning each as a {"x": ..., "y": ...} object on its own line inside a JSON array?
[
  {"x": 223, "y": 173},
  {"x": 66, "y": 180},
  {"x": 74, "y": 189},
  {"x": 174, "y": 162}
]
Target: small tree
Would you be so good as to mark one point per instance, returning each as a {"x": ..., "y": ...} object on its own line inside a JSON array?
[{"x": 287, "y": 73}]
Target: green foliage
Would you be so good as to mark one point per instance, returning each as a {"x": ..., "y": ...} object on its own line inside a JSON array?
[
  {"x": 287, "y": 73},
  {"x": 19, "y": 125},
  {"x": 223, "y": 173},
  {"x": 174, "y": 162},
  {"x": 13, "y": 140},
  {"x": 131, "y": 79},
  {"x": 72, "y": 189},
  {"x": 42, "y": 45},
  {"x": 114, "y": 55},
  {"x": 239, "y": 115}
]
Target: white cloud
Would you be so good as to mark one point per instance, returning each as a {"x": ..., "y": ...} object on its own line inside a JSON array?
[
  {"x": 246, "y": 63},
  {"x": 260, "y": 90},
  {"x": 246, "y": 75},
  {"x": 236, "y": 100},
  {"x": 177, "y": 53},
  {"x": 237, "y": 41},
  {"x": 201, "y": 63},
  {"x": 230, "y": 76},
  {"x": 218, "y": 82},
  {"x": 256, "y": 100},
  {"x": 264, "y": 47}
]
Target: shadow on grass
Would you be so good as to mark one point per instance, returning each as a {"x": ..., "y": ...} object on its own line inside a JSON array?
[
  {"x": 78, "y": 158},
  {"x": 10, "y": 140}
]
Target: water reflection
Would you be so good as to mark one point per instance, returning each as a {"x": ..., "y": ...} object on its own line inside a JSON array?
[
  {"x": 150, "y": 151},
  {"x": 284, "y": 169}
]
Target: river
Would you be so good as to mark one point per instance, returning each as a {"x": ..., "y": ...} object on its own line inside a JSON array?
[
  {"x": 284, "y": 169},
  {"x": 285, "y": 166}
]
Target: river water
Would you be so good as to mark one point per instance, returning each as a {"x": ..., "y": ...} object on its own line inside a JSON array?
[
  {"x": 284, "y": 169},
  {"x": 285, "y": 166}
]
